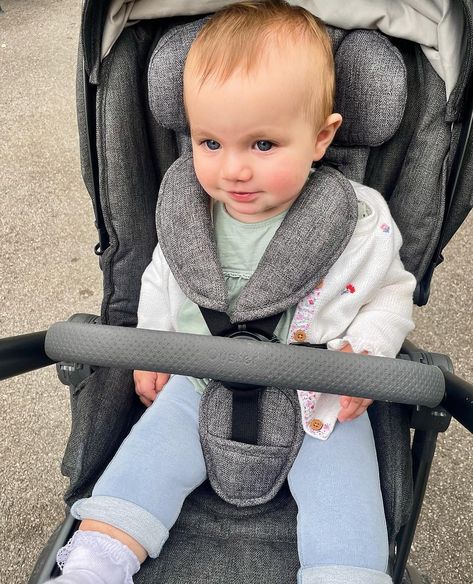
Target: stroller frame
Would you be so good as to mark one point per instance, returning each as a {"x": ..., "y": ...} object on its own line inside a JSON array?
[{"x": 426, "y": 422}]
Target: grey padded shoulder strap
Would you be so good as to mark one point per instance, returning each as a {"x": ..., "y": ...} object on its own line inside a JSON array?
[{"x": 308, "y": 242}]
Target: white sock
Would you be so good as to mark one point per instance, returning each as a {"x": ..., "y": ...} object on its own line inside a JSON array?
[{"x": 91, "y": 557}]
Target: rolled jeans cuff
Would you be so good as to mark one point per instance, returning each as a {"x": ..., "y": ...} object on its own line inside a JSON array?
[
  {"x": 130, "y": 518},
  {"x": 342, "y": 575}
]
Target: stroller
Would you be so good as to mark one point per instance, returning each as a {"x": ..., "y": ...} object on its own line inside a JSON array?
[{"x": 428, "y": 193}]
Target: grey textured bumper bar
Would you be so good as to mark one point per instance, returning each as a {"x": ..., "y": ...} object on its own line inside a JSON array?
[{"x": 246, "y": 361}]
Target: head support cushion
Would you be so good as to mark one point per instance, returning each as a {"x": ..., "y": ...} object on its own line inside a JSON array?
[
  {"x": 370, "y": 74},
  {"x": 371, "y": 89}
]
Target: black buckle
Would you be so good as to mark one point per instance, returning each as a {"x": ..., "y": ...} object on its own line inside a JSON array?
[
  {"x": 313, "y": 345},
  {"x": 245, "y": 396},
  {"x": 250, "y": 334},
  {"x": 243, "y": 332}
]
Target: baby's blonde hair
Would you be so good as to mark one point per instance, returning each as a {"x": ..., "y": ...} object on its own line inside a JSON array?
[{"x": 236, "y": 37}]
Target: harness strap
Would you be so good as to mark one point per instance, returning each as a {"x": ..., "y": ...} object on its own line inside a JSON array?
[
  {"x": 245, "y": 415},
  {"x": 245, "y": 397},
  {"x": 219, "y": 324}
]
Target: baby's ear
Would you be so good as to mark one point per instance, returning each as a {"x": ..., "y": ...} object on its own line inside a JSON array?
[{"x": 326, "y": 134}]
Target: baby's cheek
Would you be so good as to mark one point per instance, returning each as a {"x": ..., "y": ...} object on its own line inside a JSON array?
[
  {"x": 287, "y": 181},
  {"x": 203, "y": 172}
]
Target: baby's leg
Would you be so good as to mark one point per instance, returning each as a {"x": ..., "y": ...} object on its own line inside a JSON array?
[
  {"x": 341, "y": 526},
  {"x": 140, "y": 494},
  {"x": 160, "y": 462}
]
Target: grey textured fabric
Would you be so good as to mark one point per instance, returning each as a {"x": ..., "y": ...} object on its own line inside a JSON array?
[
  {"x": 336, "y": 36},
  {"x": 85, "y": 165},
  {"x": 165, "y": 75},
  {"x": 371, "y": 89},
  {"x": 214, "y": 542},
  {"x": 463, "y": 200},
  {"x": 249, "y": 474},
  {"x": 128, "y": 176},
  {"x": 457, "y": 102},
  {"x": 104, "y": 406},
  {"x": 351, "y": 161},
  {"x": 390, "y": 423},
  {"x": 411, "y": 169},
  {"x": 386, "y": 161},
  {"x": 325, "y": 212},
  {"x": 371, "y": 83}
]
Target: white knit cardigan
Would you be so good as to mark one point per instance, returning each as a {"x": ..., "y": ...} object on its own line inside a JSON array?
[{"x": 365, "y": 299}]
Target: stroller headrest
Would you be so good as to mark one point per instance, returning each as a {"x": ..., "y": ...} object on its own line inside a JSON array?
[{"x": 370, "y": 75}]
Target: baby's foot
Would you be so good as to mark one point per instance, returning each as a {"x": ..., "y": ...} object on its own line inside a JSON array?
[{"x": 91, "y": 557}]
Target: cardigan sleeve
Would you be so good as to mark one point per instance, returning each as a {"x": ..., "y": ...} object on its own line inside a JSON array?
[
  {"x": 154, "y": 308},
  {"x": 382, "y": 324}
]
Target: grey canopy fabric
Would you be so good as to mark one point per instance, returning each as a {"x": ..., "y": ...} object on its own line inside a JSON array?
[{"x": 436, "y": 25}]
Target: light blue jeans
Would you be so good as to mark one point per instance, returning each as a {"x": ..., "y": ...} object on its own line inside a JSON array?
[{"x": 335, "y": 481}]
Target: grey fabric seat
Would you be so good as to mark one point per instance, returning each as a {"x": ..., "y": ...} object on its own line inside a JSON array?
[{"x": 212, "y": 538}]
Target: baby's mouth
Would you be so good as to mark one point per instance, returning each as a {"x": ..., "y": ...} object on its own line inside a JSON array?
[{"x": 243, "y": 196}]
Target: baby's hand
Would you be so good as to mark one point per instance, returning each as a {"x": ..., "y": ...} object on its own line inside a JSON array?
[
  {"x": 148, "y": 384},
  {"x": 352, "y": 407}
]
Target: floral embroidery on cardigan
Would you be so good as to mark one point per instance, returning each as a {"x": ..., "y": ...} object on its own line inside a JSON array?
[
  {"x": 349, "y": 289},
  {"x": 304, "y": 315},
  {"x": 318, "y": 411}
]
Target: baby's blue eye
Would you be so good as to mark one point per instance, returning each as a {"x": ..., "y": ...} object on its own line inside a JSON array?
[
  {"x": 212, "y": 144},
  {"x": 264, "y": 145}
]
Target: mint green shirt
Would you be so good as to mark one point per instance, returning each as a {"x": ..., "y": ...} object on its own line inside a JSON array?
[{"x": 240, "y": 248}]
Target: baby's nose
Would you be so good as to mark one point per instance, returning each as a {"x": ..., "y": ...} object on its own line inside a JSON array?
[{"x": 236, "y": 168}]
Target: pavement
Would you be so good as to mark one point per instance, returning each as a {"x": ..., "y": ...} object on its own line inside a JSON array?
[{"x": 48, "y": 272}]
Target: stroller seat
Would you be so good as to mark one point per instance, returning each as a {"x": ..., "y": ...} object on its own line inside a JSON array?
[
  {"x": 212, "y": 539},
  {"x": 162, "y": 129},
  {"x": 380, "y": 80}
]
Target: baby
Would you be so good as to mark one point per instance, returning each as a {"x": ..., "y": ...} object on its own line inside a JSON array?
[{"x": 258, "y": 92}]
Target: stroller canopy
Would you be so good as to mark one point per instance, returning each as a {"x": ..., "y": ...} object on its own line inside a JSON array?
[{"x": 438, "y": 26}]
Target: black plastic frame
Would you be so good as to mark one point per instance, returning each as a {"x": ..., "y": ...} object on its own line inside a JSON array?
[
  {"x": 46, "y": 567},
  {"x": 22, "y": 353}
]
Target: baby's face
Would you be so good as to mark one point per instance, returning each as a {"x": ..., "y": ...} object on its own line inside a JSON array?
[{"x": 253, "y": 146}]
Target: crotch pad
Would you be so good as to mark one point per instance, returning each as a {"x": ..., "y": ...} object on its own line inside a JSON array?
[{"x": 250, "y": 474}]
